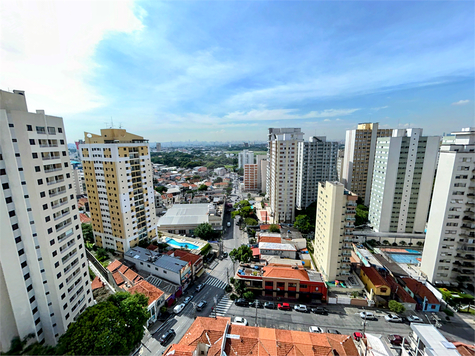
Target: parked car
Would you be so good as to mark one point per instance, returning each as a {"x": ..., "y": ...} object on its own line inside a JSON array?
[
  {"x": 228, "y": 224},
  {"x": 199, "y": 287},
  {"x": 167, "y": 337},
  {"x": 240, "y": 321},
  {"x": 333, "y": 331},
  {"x": 225, "y": 254},
  {"x": 301, "y": 308},
  {"x": 284, "y": 306},
  {"x": 393, "y": 318},
  {"x": 414, "y": 319},
  {"x": 315, "y": 329},
  {"x": 256, "y": 304},
  {"x": 188, "y": 299},
  {"x": 357, "y": 335},
  {"x": 269, "y": 305},
  {"x": 396, "y": 340},
  {"x": 367, "y": 315},
  {"x": 201, "y": 305},
  {"x": 241, "y": 302},
  {"x": 320, "y": 310},
  {"x": 179, "y": 308}
]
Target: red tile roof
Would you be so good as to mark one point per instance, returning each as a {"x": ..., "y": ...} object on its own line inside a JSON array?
[
  {"x": 275, "y": 270},
  {"x": 420, "y": 289},
  {"x": 121, "y": 273},
  {"x": 374, "y": 276},
  {"x": 266, "y": 227},
  {"x": 273, "y": 239},
  {"x": 255, "y": 251},
  {"x": 464, "y": 349},
  {"x": 84, "y": 218},
  {"x": 187, "y": 256},
  {"x": 96, "y": 284},
  {"x": 149, "y": 290}
]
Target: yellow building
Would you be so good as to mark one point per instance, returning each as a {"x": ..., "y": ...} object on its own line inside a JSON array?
[
  {"x": 119, "y": 184},
  {"x": 374, "y": 281}
]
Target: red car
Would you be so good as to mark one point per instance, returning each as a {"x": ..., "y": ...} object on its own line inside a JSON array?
[
  {"x": 284, "y": 306},
  {"x": 357, "y": 335}
]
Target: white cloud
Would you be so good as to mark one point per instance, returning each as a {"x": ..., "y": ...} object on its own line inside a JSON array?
[
  {"x": 47, "y": 49},
  {"x": 379, "y": 108},
  {"x": 285, "y": 114},
  {"x": 461, "y": 102}
]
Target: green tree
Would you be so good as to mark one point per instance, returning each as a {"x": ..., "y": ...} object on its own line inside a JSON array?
[
  {"x": 242, "y": 254},
  {"x": 250, "y": 222},
  {"x": 87, "y": 232},
  {"x": 302, "y": 223},
  {"x": 204, "y": 231},
  {"x": 274, "y": 228},
  {"x": 112, "y": 327},
  {"x": 203, "y": 187},
  {"x": 361, "y": 214},
  {"x": 248, "y": 295},
  {"x": 396, "y": 307},
  {"x": 385, "y": 242},
  {"x": 161, "y": 189},
  {"x": 310, "y": 211},
  {"x": 402, "y": 243},
  {"x": 218, "y": 180},
  {"x": 420, "y": 243}
]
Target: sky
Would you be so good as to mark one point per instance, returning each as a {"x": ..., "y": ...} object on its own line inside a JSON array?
[{"x": 229, "y": 70}]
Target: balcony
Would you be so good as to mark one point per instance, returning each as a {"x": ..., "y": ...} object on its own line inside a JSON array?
[
  {"x": 350, "y": 211},
  {"x": 468, "y": 212},
  {"x": 54, "y": 181},
  {"x": 467, "y": 272},
  {"x": 350, "y": 218},
  {"x": 346, "y": 254},
  {"x": 349, "y": 226},
  {"x": 345, "y": 267},
  {"x": 347, "y": 247},
  {"x": 59, "y": 204}
]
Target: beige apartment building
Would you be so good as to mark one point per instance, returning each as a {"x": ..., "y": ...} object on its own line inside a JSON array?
[
  {"x": 336, "y": 209},
  {"x": 118, "y": 175},
  {"x": 251, "y": 177},
  {"x": 44, "y": 279},
  {"x": 360, "y": 147},
  {"x": 282, "y": 173}
]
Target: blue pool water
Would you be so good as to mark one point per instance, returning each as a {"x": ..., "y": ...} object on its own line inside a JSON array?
[
  {"x": 187, "y": 245},
  {"x": 413, "y": 251},
  {"x": 405, "y": 258}
]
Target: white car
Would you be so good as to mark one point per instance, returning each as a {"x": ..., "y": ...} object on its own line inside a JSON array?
[
  {"x": 367, "y": 315},
  {"x": 240, "y": 321},
  {"x": 393, "y": 318},
  {"x": 414, "y": 319},
  {"x": 315, "y": 329},
  {"x": 300, "y": 308},
  {"x": 179, "y": 308}
]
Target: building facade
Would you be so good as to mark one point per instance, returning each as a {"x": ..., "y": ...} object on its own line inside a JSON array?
[
  {"x": 357, "y": 170},
  {"x": 282, "y": 172},
  {"x": 403, "y": 174},
  {"x": 316, "y": 162},
  {"x": 449, "y": 249},
  {"x": 251, "y": 177},
  {"x": 118, "y": 175},
  {"x": 336, "y": 209},
  {"x": 262, "y": 162},
  {"x": 245, "y": 157},
  {"x": 44, "y": 279}
]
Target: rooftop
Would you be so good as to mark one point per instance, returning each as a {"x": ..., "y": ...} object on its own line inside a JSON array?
[
  {"x": 435, "y": 343},
  {"x": 374, "y": 276},
  {"x": 162, "y": 261},
  {"x": 285, "y": 272},
  {"x": 420, "y": 289},
  {"x": 276, "y": 246},
  {"x": 149, "y": 290},
  {"x": 185, "y": 214}
]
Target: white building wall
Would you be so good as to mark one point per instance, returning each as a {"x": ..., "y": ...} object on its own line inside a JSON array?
[{"x": 245, "y": 157}]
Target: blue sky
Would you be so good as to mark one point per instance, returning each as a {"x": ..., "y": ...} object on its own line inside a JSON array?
[{"x": 226, "y": 70}]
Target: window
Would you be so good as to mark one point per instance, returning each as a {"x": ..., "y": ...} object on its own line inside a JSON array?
[
  {"x": 29, "y": 128},
  {"x": 51, "y": 130},
  {"x": 47, "y": 219},
  {"x": 34, "y": 155},
  {"x": 32, "y": 141},
  {"x": 5, "y": 186},
  {"x": 40, "y": 181},
  {"x": 50, "y": 230},
  {"x": 42, "y": 194},
  {"x": 383, "y": 290},
  {"x": 60, "y": 130},
  {"x": 26, "y": 276},
  {"x": 3, "y": 172},
  {"x": 51, "y": 243},
  {"x": 45, "y": 206},
  {"x": 12, "y": 213},
  {"x": 37, "y": 169}
]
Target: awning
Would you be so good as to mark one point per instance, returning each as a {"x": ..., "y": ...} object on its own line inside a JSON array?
[{"x": 200, "y": 273}]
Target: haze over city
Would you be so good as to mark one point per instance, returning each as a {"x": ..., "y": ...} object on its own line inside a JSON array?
[{"x": 218, "y": 71}]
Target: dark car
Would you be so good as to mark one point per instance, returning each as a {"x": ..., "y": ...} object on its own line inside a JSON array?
[
  {"x": 320, "y": 310},
  {"x": 241, "y": 302},
  {"x": 333, "y": 331},
  {"x": 396, "y": 340},
  {"x": 256, "y": 304},
  {"x": 201, "y": 305},
  {"x": 167, "y": 337},
  {"x": 270, "y": 305}
]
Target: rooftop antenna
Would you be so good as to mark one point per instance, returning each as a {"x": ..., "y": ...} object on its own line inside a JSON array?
[{"x": 112, "y": 123}]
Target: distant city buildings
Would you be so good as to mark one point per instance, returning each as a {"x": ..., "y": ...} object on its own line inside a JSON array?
[
  {"x": 336, "y": 209},
  {"x": 403, "y": 174},
  {"x": 360, "y": 147},
  {"x": 316, "y": 162},
  {"x": 44, "y": 279},
  {"x": 118, "y": 174},
  {"x": 158, "y": 146},
  {"x": 449, "y": 249},
  {"x": 245, "y": 157},
  {"x": 282, "y": 172}
]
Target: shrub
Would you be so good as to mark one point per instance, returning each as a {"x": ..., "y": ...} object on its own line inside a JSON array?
[
  {"x": 385, "y": 242},
  {"x": 163, "y": 309},
  {"x": 396, "y": 307},
  {"x": 233, "y": 296},
  {"x": 420, "y": 243},
  {"x": 402, "y": 243},
  {"x": 228, "y": 288},
  {"x": 248, "y": 295},
  {"x": 394, "y": 243},
  {"x": 231, "y": 280}
]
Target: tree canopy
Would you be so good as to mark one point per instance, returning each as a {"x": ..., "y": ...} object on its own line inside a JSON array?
[
  {"x": 161, "y": 189},
  {"x": 310, "y": 211},
  {"x": 203, "y": 187},
  {"x": 396, "y": 307},
  {"x": 242, "y": 254},
  {"x": 87, "y": 232},
  {"x": 218, "y": 180},
  {"x": 205, "y": 231},
  {"x": 361, "y": 214},
  {"x": 302, "y": 223},
  {"x": 250, "y": 222},
  {"x": 274, "y": 228},
  {"x": 112, "y": 327}
]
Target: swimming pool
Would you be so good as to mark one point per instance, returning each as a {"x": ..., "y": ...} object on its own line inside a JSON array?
[
  {"x": 405, "y": 258},
  {"x": 187, "y": 245}
]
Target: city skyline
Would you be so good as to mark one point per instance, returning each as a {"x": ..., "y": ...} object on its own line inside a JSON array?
[{"x": 219, "y": 71}]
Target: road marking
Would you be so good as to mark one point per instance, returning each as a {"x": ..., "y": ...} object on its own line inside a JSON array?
[
  {"x": 223, "y": 306},
  {"x": 215, "y": 282}
]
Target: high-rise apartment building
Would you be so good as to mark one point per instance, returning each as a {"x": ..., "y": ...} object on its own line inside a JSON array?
[
  {"x": 339, "y": 163},
  {"x": 357, "y": 170},
  {"x": 282, "y": 172},
  {"x": 118, "y": 174},
  {"x": 403, "y": 174},
  {"x": 336, "y": 209},
  {"x": 245, "y": 157},
  {"x": 251, "y": 177},
  {"x": 78, "y": 179},
  {"x": 44, "y": 278},
  {"x": 316, "y": 162},
  {"x": 449, "y": 249},
  {"x": 262, "y": 171}
]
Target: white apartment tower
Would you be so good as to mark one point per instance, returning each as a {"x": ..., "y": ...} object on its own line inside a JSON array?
[
  {"x": 336, "y": 209},
  {"x": 449, "y": 249},
  {"x": 245, "y": 157},
  {"x": 316, "y": 162},
  {"x": 357, "y": 170},
  {"x": 403, "y": 174},
  {"x": 44, "y": 278},
  {"x": 118, "y": 175},
  {"x": 282, "y": 172}
]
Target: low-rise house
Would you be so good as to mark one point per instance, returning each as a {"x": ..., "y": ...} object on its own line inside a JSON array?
[
  {"x": 156, "y": 298},
  {"x": 195, "y": 260},
  {"x": 402, "y": 296},
  {"x": 425, "y": 339},
  {"x": 425, "y": 299},
  {"x": 278, "y": 249},
  {"x": 123, "y": 275},
  {"x": 374, "y": 282}
]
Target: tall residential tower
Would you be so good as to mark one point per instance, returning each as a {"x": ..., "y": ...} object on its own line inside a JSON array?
[
  {"x": 44, "y": 278},
  {"x": 118, "y": 175},
  {"x": 245, "y": 157}
]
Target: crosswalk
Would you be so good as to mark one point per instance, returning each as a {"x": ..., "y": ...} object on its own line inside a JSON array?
[
  {"x": 223, "y": 306},
  {"x": 215, "y": 282},
  {"x": 213, "y": 264}
]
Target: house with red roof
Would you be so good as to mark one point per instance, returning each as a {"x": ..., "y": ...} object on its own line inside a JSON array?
[
  {"x": 156, "y": 298},
  {"x": 425, "y": 299},
  {"x": 195, "y": 261},
  {"x": 373, "y": 281}
]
